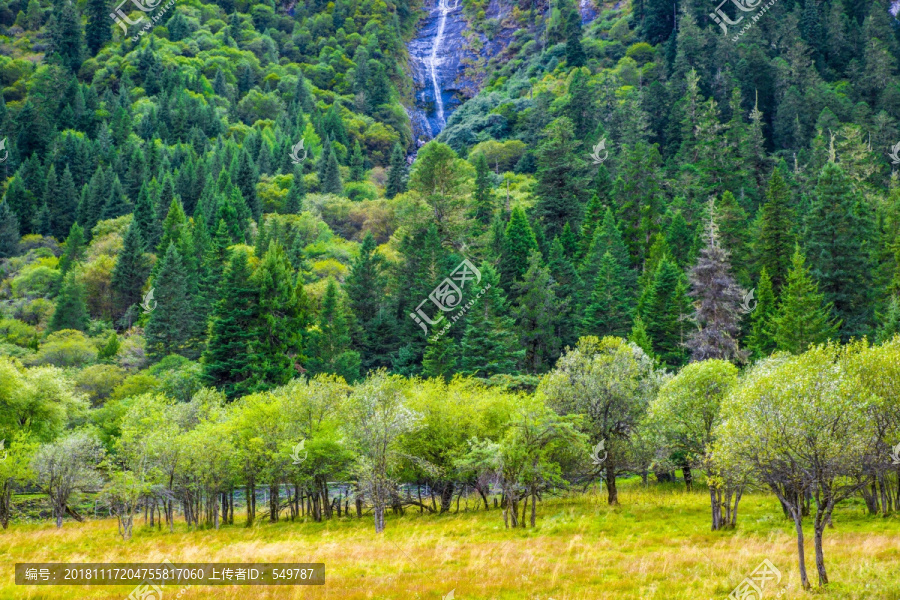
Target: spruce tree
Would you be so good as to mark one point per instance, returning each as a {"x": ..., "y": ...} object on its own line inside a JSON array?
[
  {"x": 227, "y": 361},
  {"x": 639, "y": 337},
  {"x": 760, "y": 342},
  {"x": 802, "y": 318},
  {"x": 74, "y": 251},
  {"x": 440, "y": 357},
  {"x": 64, "y": 205},
  {"x": 330, "y": 175},
  {"x": 276, "y": 344},
  {"x": 66, "y": 46},
  {"x": 483, "y": 196},
  {"x": 9, "y": 231},
  {"x": 679, "y": 239},
  {"x": 397, "y": 173},
  {"x": 71, "y": 309},
  {"x": 518, "y": 244},
  {"x": 889, "y": 326},
  {"x": 565, "y": 275},
  {"x": 537, "y": 314},
  {"x": 172, "y": 324},
  {"x": 575, "y": 56},
  {"x": 20, "y": 203},
  {"x": 664, "y": 309},
  {"x": 608, "y": 311},
  {"x": 357, "y": 163},
  {"x": 97, "y": 30},
  {"x": 329, "y": 348},
  {"x": 116, "y": 203},
  {"x": 607, "y": 238},
  {"x": 130, "y": 272},
  {"x": 296, "y": 193},
  {"x": 837, "y": 235},
  {"x": 717, "y": 301},
  {"x": 561, "y": 186},
  {"x": 775, "y": 239},
  {"x": 365, "y": 287},
  {"x": 145, "y": 216},
  {"x": 489, "y": 345}
]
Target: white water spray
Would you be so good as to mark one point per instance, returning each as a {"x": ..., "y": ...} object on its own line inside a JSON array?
[{"x": 444, "y": 6}]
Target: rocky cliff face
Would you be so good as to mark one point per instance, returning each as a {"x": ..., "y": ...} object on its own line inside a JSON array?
[
  {"x": 436, "y": 56},
  {"x": 445, "y": 68}
]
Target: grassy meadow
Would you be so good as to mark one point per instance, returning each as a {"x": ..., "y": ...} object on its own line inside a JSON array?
[{"x": 655, "y": 545}]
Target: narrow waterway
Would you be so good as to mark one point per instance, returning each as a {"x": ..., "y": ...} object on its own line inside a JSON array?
[{"x": 435, "y": 56}]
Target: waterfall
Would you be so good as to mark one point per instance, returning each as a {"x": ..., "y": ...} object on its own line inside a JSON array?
[{"x": 433, "y": 60}]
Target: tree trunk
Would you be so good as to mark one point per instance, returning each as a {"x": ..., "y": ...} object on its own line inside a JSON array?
[
  {"x": 613, "y": 493},
  {"x": 446, "y": 497},
  {"x": 379, "y": 515},
  {"x": 533, "y": 508},
  {"x": 716, "y": 508},
  {"x": 801, "y": 556}
]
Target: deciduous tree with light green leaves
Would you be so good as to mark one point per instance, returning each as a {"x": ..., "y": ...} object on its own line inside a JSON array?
[
  {"x": 610, "y": 382},
  {"x": 803, "y": 426}
]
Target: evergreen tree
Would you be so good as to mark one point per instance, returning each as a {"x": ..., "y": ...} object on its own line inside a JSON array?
[
  {"x": 145, "y": 217},
  {"x": 717, "y": 301},
  {"x": 518, "y": 244},
  {"x": 116, "y": 203},
  {"x": 49, "y": 198},
  {"x": 664, "y": 309},
  {"x": 330, "y": 175},
  {"x": 890, "y": 322},
  {"x": 775, "y": 237},
  {"x": 71, "y": 309},
  {"x": 64, "y": 205},
  {"x": 277, "y": 338},
  {"x": 537, "y": 314},
  {"x": 565, "y": 275},
  {"x": 74, "y": 249},
  {"x": 397, "y": 173},
  {"x": 365, "y": 291},
  {"x": 760, "y": 341},
  {"x": 575, "y": 56},
  {"x": 357, "y": 163},
  {"x": 130, "y": 272},
  {"x": 244, "y": 174},
  {"x": 97, "y": 30},
  {"x": 801, "y": 318},
  {"x": 609, "y": 310},
  {"x": 227, "y": 361},
  {"x": 483, "y": 196},
  {"x": 66, "y": 39},
  {"x": 679, "y": 239},
  {"x": 9, "y": 231},
  {"x": 560, "y": 185},
  {"x": 329, "y": 349},
  {"x": 639, "y": 337},
  {"x": 172, "y": 324},
  {"x": 607, "y": 238},
  {"x": 20, "y": 203},
  {"x": 439, "y": 359},
  {"x": 296, "y": 194},
  {"x": 837, "y": 232},
  {"x": 489, "y": 345}
]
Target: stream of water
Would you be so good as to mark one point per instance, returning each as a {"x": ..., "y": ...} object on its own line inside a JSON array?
[{"x": 435, "y": 56}]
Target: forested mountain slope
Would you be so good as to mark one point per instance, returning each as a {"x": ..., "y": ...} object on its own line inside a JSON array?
[{"x": 625, "y": 170}]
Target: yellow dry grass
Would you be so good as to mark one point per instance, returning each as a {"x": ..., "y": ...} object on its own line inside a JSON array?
[{"x": 656, "y": 545}]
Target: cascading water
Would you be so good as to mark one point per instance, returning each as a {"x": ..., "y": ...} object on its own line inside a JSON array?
[
  {"x": 435, "y": 56},
  {"x": 444, "y": 7}
]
